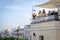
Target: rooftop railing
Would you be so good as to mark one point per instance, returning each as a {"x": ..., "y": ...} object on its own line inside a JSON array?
[{"x": 47, "y": 18}]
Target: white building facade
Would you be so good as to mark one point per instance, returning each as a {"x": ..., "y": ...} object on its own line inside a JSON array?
[{"x": 46, "y": 27}]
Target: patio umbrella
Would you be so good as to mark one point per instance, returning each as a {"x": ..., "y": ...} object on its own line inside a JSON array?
[{"x": 49, "y": 4}]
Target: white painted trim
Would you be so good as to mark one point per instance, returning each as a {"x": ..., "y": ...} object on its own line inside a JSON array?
[{"x": 47, "y": 28}]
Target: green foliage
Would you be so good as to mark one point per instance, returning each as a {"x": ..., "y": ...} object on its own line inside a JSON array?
[
  {"x": 0, "y": 38},
  {"x": 5, "y": 38},
  {"x": 21, "y": 39}
]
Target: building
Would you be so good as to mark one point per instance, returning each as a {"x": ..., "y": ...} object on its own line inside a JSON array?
[
  {"x": 26, "y": 32},
  {"x": 18, "y": 33},
  {"x": 46, "y": 26}
]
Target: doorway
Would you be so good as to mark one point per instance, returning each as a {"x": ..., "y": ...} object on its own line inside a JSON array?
[{"x": 41, "y": 37}]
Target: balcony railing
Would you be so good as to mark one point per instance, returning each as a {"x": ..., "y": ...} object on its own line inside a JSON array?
[{"x": 44, "y": 19}]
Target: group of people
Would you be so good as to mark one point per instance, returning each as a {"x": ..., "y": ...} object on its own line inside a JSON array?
[
  {"x": 43, "y": 14},
  {"x": 40, "y": 14}
]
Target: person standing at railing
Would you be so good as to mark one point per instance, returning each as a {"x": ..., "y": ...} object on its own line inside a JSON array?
[
  {"x": 34, "y": 15},
  {"x": 42, "y": 15},
  {"x": 49, "y": 13},
  {"x": 39, "y": 13}
]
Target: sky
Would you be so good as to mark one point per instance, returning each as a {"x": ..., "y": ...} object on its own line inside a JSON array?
[{"x": 14, "y": 13}]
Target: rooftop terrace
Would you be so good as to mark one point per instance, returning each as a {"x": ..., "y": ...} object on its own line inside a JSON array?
[{"x": 52, "y": 16}]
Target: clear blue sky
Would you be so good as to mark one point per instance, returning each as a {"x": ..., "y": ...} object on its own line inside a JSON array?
[{"x": 16, "y": 12}]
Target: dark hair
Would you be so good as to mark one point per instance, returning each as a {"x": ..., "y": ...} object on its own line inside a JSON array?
[
  {"x": 39, "y": 12},
  {"x": 43, "y": 10}
]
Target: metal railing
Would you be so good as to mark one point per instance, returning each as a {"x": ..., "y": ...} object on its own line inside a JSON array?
[{"x": 44, "y": 19}]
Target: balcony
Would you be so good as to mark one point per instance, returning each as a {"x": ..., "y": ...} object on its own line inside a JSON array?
[{"x": 52, "y": 17}]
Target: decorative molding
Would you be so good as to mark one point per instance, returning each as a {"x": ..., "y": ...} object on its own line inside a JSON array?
[{"x": 47, "y": 28}]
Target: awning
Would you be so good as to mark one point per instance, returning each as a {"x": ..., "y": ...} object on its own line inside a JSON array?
[{"x": 49, "y": 4}]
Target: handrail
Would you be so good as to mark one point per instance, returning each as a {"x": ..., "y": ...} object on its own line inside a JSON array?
[{"x": 43, "y": 19}]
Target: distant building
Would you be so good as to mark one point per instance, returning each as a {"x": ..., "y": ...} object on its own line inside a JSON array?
[
  {"x": 27, "y": 32},
  {"x": 18, "y": 33}
]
